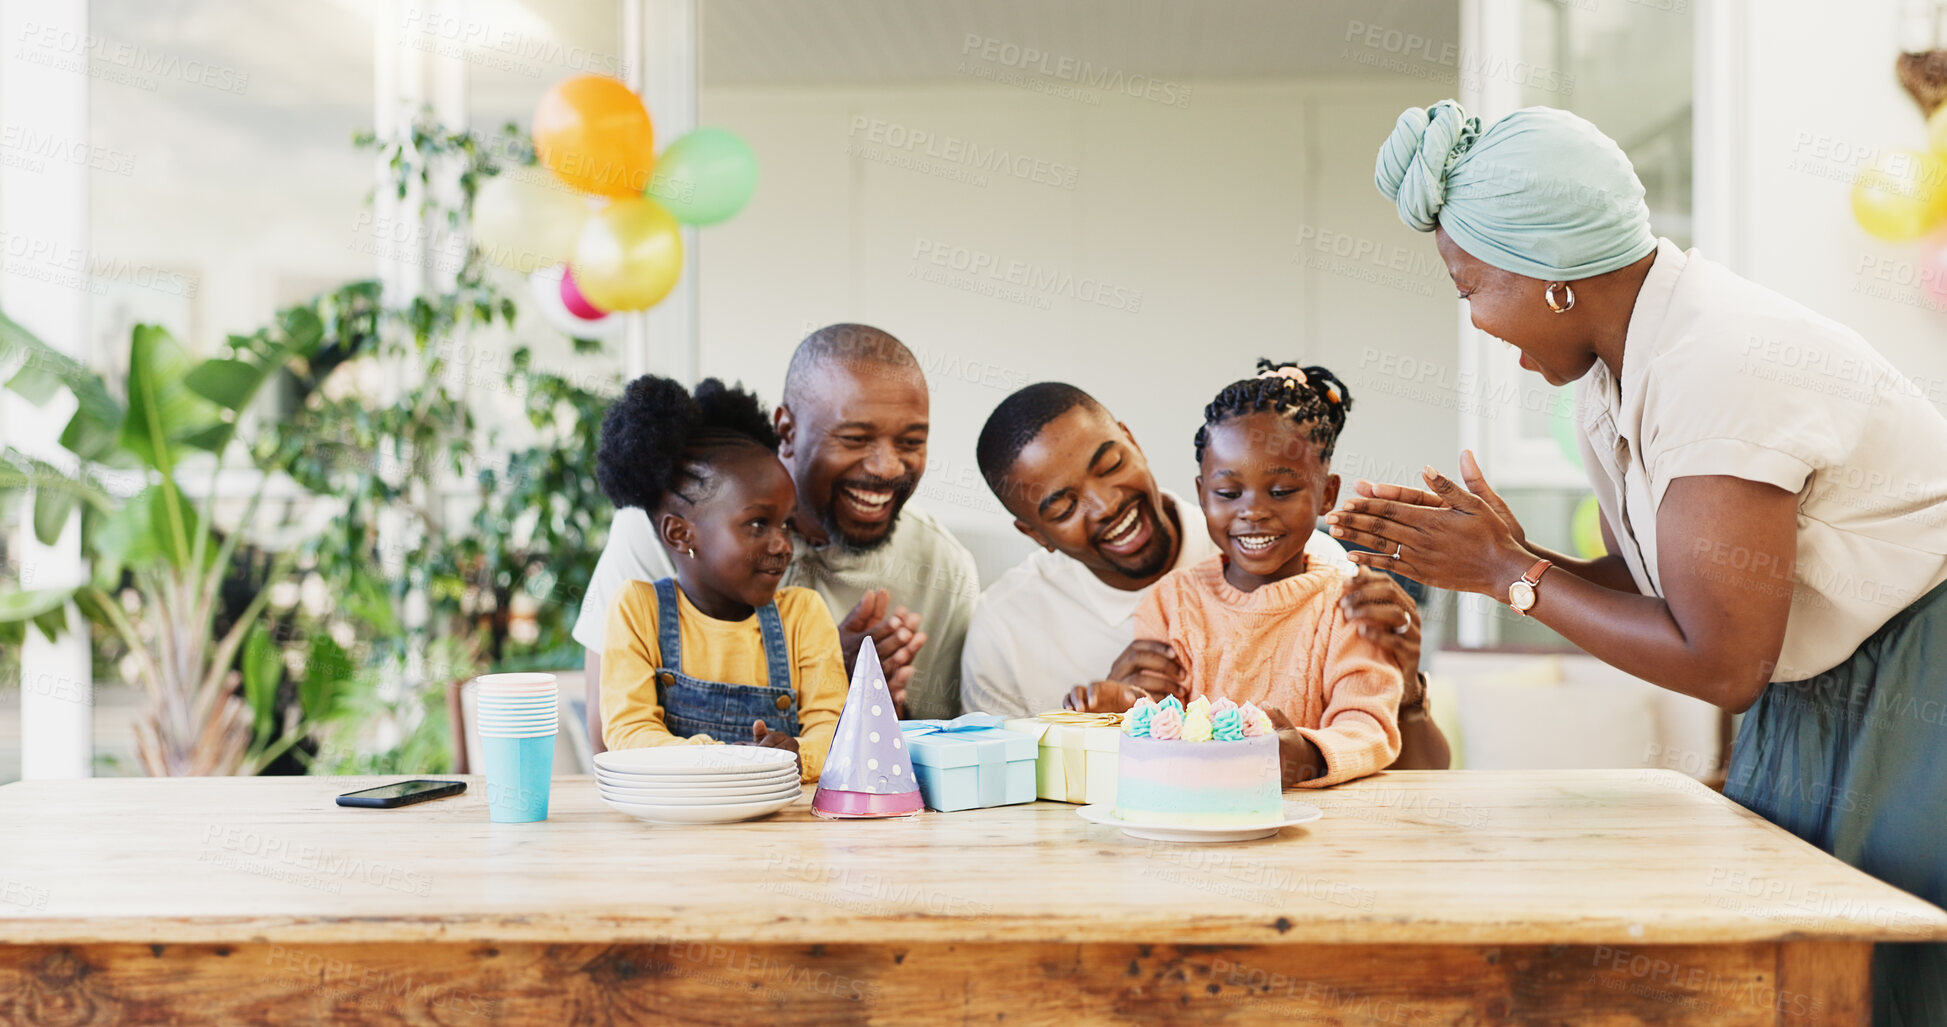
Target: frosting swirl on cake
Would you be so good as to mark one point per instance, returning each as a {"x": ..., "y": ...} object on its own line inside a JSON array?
[{"x": 1201, "y": 721}]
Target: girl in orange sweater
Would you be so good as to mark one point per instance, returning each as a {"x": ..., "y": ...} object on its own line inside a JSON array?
[{"x": 1259, "y": 622}]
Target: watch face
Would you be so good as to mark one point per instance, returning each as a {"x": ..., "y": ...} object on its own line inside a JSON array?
[{"x": 1521, "y": 595}]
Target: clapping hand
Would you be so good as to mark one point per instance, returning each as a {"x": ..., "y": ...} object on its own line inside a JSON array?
[{"x": 895, "y": 636}]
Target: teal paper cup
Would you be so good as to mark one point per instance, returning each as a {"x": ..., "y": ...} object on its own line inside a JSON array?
[{"x": 519, "y": 771}]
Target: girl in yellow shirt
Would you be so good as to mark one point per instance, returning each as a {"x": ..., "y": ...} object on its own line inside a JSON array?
[{"x": 720, "y": 652}]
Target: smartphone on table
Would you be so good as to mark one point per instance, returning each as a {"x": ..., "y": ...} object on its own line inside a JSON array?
[{"x": 401, "y": 793}]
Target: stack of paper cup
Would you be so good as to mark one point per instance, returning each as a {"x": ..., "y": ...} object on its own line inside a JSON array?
[{"x": 517, "y": 716}]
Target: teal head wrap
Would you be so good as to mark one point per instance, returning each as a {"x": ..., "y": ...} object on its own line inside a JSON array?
[{"x": 1541, "y": 192}]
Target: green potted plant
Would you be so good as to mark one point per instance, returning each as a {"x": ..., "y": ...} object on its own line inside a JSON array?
[{"x": 143, "y": 532}]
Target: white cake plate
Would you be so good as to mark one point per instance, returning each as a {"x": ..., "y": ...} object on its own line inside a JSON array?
[{"x": 1295, "y": 813}]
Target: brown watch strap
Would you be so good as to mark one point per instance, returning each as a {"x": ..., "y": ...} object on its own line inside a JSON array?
[{"x": 1533, "y": 577}]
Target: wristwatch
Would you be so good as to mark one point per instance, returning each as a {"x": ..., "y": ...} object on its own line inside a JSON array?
[{"x": 1521, "y": 594}]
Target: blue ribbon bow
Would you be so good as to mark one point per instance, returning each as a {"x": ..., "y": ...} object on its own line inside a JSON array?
[{"x": 992, "y": 768}]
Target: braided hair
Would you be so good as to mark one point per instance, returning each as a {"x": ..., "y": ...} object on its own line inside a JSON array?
[
  {"x": 659, "y": 440},
  {"x": 1312, "y": 396}
]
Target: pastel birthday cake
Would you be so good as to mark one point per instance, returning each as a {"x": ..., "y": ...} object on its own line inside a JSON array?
[{"x": 1205, "y": 764}]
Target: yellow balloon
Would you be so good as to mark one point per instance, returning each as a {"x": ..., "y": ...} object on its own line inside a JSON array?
[
  {"x": 1937, "y": 130},
  {"x": 523, "y": 222},
  {"x": 629, "y": 256},
  {"x": 1901, "y": 195},
  {"x": 1585, "y": 530}
]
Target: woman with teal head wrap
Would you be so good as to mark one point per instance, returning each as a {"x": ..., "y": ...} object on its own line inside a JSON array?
[{"x": 1735, "y": 480}]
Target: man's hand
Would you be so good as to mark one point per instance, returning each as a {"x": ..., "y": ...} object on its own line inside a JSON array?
[
  {"x": 1150, "y": 666},
  {"x": 1102, "y": 697},
  {"x": 895, "y": 636},
  {"x": 1384, "y": 615}
]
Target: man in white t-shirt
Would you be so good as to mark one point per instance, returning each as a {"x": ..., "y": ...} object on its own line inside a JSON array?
[
  {"x": 1080, "y": 487},
  {"x": 852, "y": 430}
]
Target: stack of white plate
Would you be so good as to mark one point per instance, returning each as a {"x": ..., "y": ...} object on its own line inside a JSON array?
[{"x": 698, "y": 784}]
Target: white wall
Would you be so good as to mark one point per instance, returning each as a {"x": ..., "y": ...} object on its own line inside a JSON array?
[
  {"x": 1192, "y": 215},
  {"x": 1820, "y": 95}
]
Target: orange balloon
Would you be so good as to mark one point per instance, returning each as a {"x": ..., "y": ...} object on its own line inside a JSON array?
[{"x": 595, "y": 134}]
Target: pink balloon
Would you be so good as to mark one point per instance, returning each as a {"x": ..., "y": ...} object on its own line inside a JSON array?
[
  {"x": 576, "y": 303},
  {"x": 1933, "y": 270}
]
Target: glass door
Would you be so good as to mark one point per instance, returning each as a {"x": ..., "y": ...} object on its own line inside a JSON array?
[{"x": 1627, "y": 68}]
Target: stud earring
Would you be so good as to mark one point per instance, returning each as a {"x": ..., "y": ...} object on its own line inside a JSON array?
[
  {"x": 691, "y": 552},
  {"x": 1556, "y": 305}
]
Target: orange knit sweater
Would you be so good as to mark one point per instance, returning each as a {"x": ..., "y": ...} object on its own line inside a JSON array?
[{"x": 1284, "y": 645}]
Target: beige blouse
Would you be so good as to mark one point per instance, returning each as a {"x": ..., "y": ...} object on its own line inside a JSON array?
[{"x": 1724, "y": 377}]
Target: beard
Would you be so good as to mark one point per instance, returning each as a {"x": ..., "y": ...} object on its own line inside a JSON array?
[
  {"x": 828, "y": 518},
  {"x": 1154, "y": 558}
]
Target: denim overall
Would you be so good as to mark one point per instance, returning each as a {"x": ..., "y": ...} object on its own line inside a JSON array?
[{"x": 724, "y": 712}]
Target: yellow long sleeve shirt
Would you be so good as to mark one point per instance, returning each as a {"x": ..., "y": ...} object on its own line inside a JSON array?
[{"x": 719, "y": 650}]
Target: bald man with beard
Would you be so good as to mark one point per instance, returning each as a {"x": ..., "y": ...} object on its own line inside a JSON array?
[{"x": 852, "y": 430}]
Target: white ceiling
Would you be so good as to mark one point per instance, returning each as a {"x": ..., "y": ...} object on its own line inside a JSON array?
[{"x": 794, "y": 41}]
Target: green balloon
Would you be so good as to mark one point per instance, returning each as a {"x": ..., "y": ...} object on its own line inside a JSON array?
[
  {"x": 1567, "y": 435},
  {"x": 705, "y": 177}
]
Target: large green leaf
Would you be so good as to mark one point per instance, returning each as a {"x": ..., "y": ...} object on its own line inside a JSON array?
[
  {"x": 51, "y": 511},
  {"x": 46, "y": 368},
  {"x": 232, "y": 383},
  {"x": 45, "y": 608},
  {"x": 164, "y": 415},
  {"x": 262, "y": 668},
  {"x": 368, "y": 601},
  {"x": 141, "y": 532},
  {"x": 327, "y": 672},
  {"x": 34, "y": 383},
  {"x": 227, "y": 383},
  {"x": 55, "y": 493}
]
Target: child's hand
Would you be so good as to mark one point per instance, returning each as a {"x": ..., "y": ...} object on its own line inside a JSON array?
[
  {"x": 1102, "y": 697},
  {"x": 1151, "y": 666},
  {"x": 762, "y": 735},
  {"x": 1298, "y": 759}
]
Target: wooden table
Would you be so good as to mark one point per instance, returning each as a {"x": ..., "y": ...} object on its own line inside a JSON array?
[{"x": 1593, "y": 897}]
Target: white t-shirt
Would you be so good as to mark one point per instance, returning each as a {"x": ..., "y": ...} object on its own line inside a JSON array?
[
  {"x": 925, "y": 568},
  {"x": 1724, "y": 377},
  {"x": 1050, "y": 624},
  {"x": 633, "y": 553}
]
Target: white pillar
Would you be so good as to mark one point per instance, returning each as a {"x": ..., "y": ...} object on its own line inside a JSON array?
[
  {"x": 661, "y": 43},
  {"x": 1719, "y": 141},
  {"x": 44, "y": 287}
]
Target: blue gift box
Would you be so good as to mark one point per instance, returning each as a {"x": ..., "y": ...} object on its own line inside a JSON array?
[{"x": 970, "y": 761}]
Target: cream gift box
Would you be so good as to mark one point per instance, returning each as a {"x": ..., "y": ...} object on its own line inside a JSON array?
[{"x": 1075, "y": 761}]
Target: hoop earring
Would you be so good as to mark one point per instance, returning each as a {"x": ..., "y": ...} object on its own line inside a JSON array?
[
  {"x": 691, "y": 553},
  {"x": 1556, "y": 305}
]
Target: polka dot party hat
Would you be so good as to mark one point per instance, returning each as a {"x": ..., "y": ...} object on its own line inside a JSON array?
[{"x": 868, "y": 773}]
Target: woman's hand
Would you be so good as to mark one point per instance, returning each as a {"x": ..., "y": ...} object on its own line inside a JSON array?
[
  {"x": 1383, "y": 614},
  {"x": 761, "y": 735},
  {"x": 1447, "y": 536}
]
